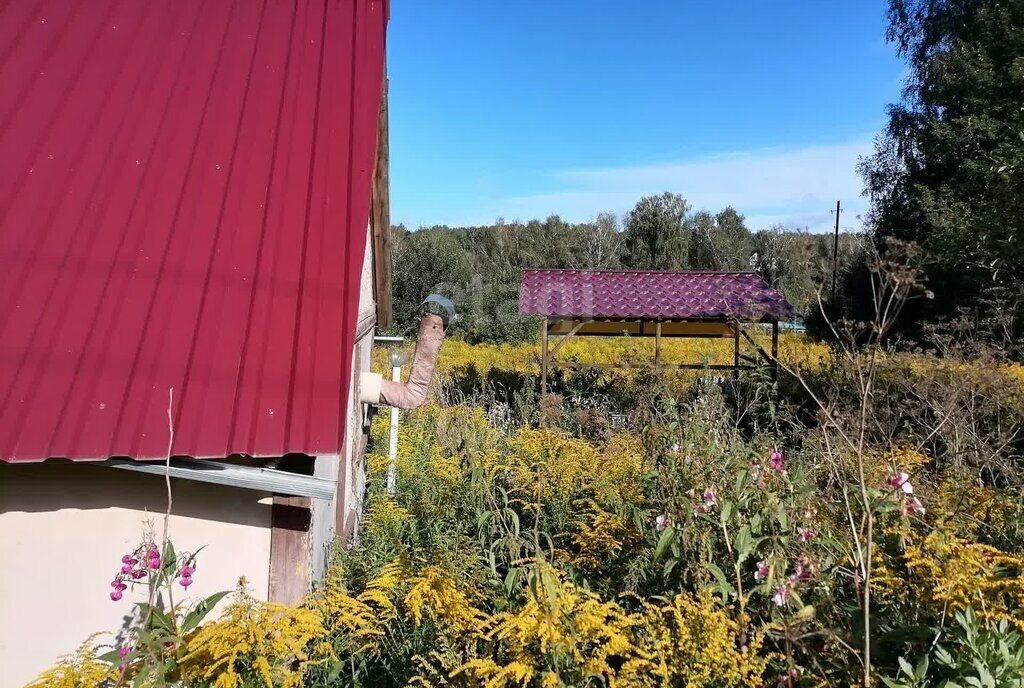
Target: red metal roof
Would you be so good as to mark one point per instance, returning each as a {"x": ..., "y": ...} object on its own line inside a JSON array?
[
  {"x": 650, "y": 294},
  {"x": 184, "y": 196}
]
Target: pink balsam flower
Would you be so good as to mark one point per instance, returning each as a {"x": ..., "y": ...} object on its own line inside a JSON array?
[
  {"x": 710, "y": 499},
  {"x": 912, "y": 505},
  {"x": 775, "y": 461},
  {"x": 800, "y": 573},
  {"x": 660, "y": 523},
  {"x": 762, "y": 571},
  {"x": 901, "y": 482},
  {"x": 805, "y": 534},
  {"x": 781, "y": 596}
]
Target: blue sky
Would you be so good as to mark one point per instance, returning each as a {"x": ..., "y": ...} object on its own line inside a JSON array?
[{"x": 521, "y": 109}]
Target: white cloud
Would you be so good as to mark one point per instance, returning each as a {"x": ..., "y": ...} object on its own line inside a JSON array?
[{"x": 795, "y": 187}]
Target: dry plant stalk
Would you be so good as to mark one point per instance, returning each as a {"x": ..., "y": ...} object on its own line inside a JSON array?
[{"x": 895, "y": 279}]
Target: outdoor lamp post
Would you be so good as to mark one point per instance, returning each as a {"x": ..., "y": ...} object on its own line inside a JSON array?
[{"x": 398, "y": 358}]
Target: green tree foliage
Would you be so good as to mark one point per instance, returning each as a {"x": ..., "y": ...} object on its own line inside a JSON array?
[
  {"x": 480, "y": 267},
  {"x": 426, "y": 261},
  {"x": 656, "y": 233},
  {"x": 948, "y": 171},
  {"x": 719, "y": 242}
]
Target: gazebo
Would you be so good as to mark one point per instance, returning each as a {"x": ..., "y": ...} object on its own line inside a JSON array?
[{"x": 647, "y": 303}]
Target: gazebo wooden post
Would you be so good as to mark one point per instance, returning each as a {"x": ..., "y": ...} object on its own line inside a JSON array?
[
  {"x": 657, "y": 345},
  {"x": 775, "y": 349},
  {"x": 544, "y": 358},
  {"x": 736, "y": 349}
]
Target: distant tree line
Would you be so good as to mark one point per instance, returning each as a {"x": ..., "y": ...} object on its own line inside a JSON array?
[{"x": 480, "y": 267}]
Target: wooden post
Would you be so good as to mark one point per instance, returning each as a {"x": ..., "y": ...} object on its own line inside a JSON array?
[
  {"x": 736, "y": 349},
  {"x": 380, "y": 215},
  {"x": 544, "y": 359},
  {"x": 657, "y": 345},
  {"x": 775, "y": 349},
  {"x": 290, "y": 563}
]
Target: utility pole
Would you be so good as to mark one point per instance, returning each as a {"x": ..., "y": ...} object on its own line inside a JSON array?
[{"x": 835, "y": 254}]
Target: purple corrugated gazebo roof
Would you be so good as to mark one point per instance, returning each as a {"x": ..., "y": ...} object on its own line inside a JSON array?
[{"x": 651, "y": 295}]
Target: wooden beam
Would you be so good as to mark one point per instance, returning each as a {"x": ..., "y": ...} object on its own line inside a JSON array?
[
  {"x": 757, "y": 346},
  {"x": 642, "y": 328},
  {"x": 657, "y": 345},
  {"x": 289, "y": 549},
  {"x": 775, "y": 350},
  {"x": 565, "y": 338},
  {"x": 380, "y": 214},
  {"x": 640, "y": 366},
  {"x": 544, "y": 359},
  {"x": 736, "y": 350}
]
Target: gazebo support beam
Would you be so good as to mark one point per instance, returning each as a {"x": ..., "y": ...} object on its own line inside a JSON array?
[
  {"x": 775, "y": 342},
  {"x": 640, "y": 366},
  {"x": 736, "y": 349},
  {"x": 565, "y": 337},
  {"x": 775, "y": 350},
  {"x": 544, "y": 358},
  {"x": 657, "y": 345}
]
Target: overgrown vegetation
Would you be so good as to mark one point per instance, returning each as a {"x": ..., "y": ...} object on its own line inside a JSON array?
[{"x": 855, "y": 520}]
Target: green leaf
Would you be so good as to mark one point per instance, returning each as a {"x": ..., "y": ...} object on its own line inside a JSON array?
[
  {"x": 741, "y": 481},
  {"x": 755, "y": 524},
  {"x": 111, "y": 657},
  {"x": 983, "y": 674},
  {"x": 741, "y": 543},
  {"x": 725, "y": 590},
  {"x": 512, "y": 579},
  {"x": 727, "y": 510},
  {"x": 157, "y": 619},
  {"x": 199, "y": 612},
  {"x": 668, "y": 536},
  {"x": 905, "y": 667},
  {"x": 922, "y": 668}
]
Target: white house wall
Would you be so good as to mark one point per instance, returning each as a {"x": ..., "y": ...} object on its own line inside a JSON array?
[{"x": 63, "y": 530}]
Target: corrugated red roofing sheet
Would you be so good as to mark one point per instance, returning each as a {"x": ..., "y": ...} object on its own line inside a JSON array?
[
  {"x": 184, "y": 195},
  {"x": 650, "y": 294}
]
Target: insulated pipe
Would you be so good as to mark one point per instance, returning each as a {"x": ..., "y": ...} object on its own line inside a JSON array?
[
  {"x": 376, "y": 390},
  {"x": 414, "y": 392}
]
